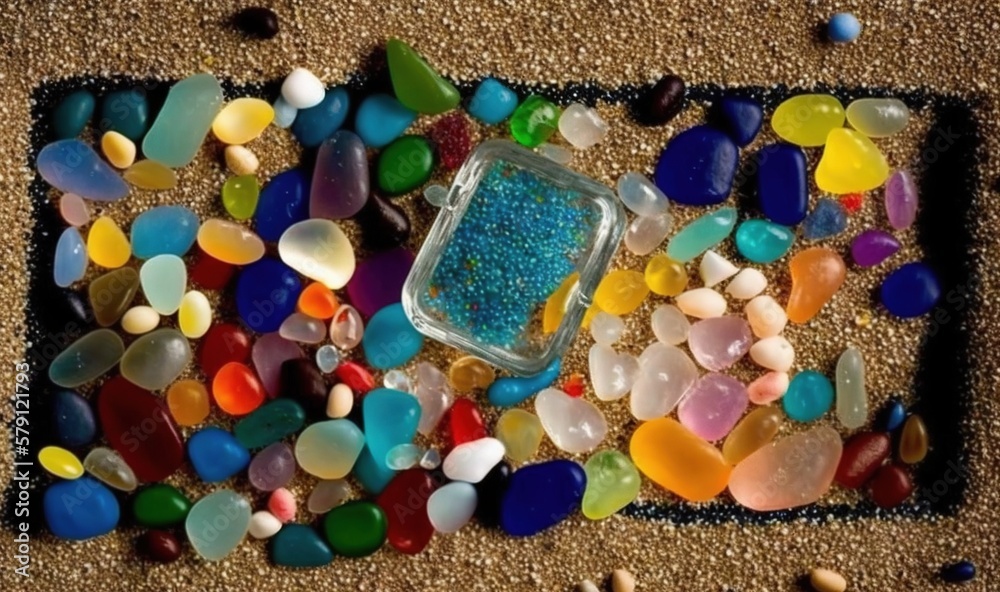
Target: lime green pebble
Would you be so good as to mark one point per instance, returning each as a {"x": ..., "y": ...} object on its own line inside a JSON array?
[
  {"x": 534, "y": 121},
  {"x": 239, "y": 196},
  {"x": 612, "y": 483}
]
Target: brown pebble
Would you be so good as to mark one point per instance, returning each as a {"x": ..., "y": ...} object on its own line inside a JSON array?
[
  {"x": 160, "y": 545},
  {"x": 664, "y": 101},
  {"x": 826, "y": 580},
  {"x": 622, "y": 581},
  {"x": 257, "y": 21}
]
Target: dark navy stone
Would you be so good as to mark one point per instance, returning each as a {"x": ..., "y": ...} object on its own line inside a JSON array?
[
  {"x": 266, "y": 293},
  {"x": 283, "y": 201},
  {"x": 891, "y": 415},
  {"x": 216, "y": 455},
  {"x": 80, "y": 509},
  {"x": 782, "y": 186},
  {"x": 828, "y": 218},
  {"x": 72, "y": 113},
  {"x": 490, "y": 492},
  {"x": 739, "y": 117},
  {"x": 73, "y": 419},
  {"x": 911, "y": 290},
  {"x": 298, "y": 545},
  {"x": 540, "y": 496},
  {"x": 315, "y": 124},
  {"x": 955, "y": 573},
  {"x": 697, "y": 167},
  {"x": 126, "y": 112}
]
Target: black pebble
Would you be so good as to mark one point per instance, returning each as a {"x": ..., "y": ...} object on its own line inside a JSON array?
[
  {"x": 384, "y": 225},
  {"x": 490, "y": 492},
  {"x": 301, "y": 380},
  {"x": 663, "y": 102},
  {"x": 160, "y": 546},
  {"x": 257, "y": 21}
]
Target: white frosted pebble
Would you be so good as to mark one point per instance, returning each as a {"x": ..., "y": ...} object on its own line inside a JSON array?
[{"x": 747, "y": 284}]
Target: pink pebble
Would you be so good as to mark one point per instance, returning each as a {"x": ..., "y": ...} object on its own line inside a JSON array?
[
  {"x": 768, "y": 388},
  {"x": 73, "y": 209},
  {"x": 282, "y": 505}
]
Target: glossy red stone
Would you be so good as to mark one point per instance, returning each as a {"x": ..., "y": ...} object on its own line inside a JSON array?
[
  {"x": 160, "y": 545},
  {"x": 139, "y": 427},
  {"x": 574, "y": 385},
  {"x": 451, "y": 135},
  {"x": 852, "y": 202},
  {"x": 891, "y": 486},
  {"x": 464, "y": 423},
  {"x": 224, "y": 343},
  {"x": 404, "y": 502},
  {"x": 355, "y": 376},
  {"x": 210, "y": 273},
  {"x": 863, "y": 455}
]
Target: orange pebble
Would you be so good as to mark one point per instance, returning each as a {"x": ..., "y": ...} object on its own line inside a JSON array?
[
  {"x": 236, "y": 389},
  {"x": 817, "y": 274},
  {"x": 188, "y": 402},
  {"x": 318, "y": 301}
]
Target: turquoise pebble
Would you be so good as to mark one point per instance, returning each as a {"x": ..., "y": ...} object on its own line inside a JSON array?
[
  {"x": 761, "y": 241},
  {"x": 315, "y": 124},
  {"x": 828, "y": 218},
  {"x": 126, "y": 112},
  {"x": 184, "y": 120},
  {"x": 809, "y": 396},
  {"x": 381, "y": 119},
  {"x": 80, "y": 509},
  {"x": 843, "y": 27},
  {"x": 390, "y": 340},
  {"x": 71, "y": 258},
  {"x": 269, "y": 423},
  {"x": 216, "y": 455},
  {"x": 71, "y": 114},
  {"x": 72, "y": 166},
  {"x": 511, "y": 390},
  {"x": 217, "y": 524},
  {"x": 372, "y": 475},
  {"x": 390, "y": 419},
  {"x": 298, "y": 545},
  {"x": 164, "y": 281},
  {"x": 492, "y": 102},
  {"x": 701, "y": 234},
  {"x": 164, "y": 230}
]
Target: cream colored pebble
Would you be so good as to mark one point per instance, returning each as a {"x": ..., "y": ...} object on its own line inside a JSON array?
[
  {"x": 622, "y": 581},
  {"x": 340, "y": 401},
  {"x": 747, "y": 284},
  {"x": 140, "y": 319},
  {"x": 715, "y": 268},
  {"x": 702, "y": 303},
  {"x": 767, "y": 317},
  {"x": 826, "y": 580},
  {"x": 241, "y": 160},
  {"x": 774, "y": 353},
  {"x": 588, "y": 586}
]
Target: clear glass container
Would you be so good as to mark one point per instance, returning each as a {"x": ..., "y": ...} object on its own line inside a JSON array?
[{"x": 515, "y": 228}]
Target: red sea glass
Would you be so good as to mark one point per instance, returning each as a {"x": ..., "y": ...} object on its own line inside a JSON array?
[
  {"x": 404, "y": 501},
  {"x": 224, "y": 343}
]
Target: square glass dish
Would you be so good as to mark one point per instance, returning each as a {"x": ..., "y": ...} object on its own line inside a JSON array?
[{"x": 512, "y": 262}]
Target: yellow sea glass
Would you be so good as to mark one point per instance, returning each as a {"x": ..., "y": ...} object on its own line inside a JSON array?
[
  {"x": 118, "y": 149},
  {"x": 621, "y": 292},
  {"x": 230, "y": 242},
  {"x": 913, "y": 442},
  {"x": 194, "y": 316},
  {"x": 555, "y": 306},
  {"x": 149, "y": 174},
  {"x": 107, "y": 245},
  {"x": 521, "y": 433},
  {"x": 851, "y": 163},
  {"x": 806, "y": 120},
  {"x": 755, "y": 430},
  {"x": 242, "y": 120},
  {"x": 666, "y": 277},
  {"x": 60, "y": 462},
  {"x": 470, "y": 373}
]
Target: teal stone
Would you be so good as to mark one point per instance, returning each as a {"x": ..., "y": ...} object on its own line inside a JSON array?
[
  {"x": 269, "y": 423},
  {"x": 511, "y": 390},
  {"x": 71, "y": 114},
  {"x": 183, "y": 121},
  {"x": 701, "y": 234},
  {"x": 217, "y": 524},
  {"x": 126, "y": 112},
  {"x": 809, "y": 396},
  {"x": 70, "y": 263},
  {"x": 492, "y": 102},
  {"x": 373, "y": 476},
  {"x": 72, "y": 166},
  {"x": 164, "y": 230},
  {"x": 87, "y": 358},
  {"x": 761, "y": 241},
  {"x": 390, "y": 340},
  {"x": 164, "y": 281},
  {"x": 390, "y": 419},
  {"x": 298, "y": 545},
  {"x": 80, "y": 509},
  {"x": 381, "y": 119}
]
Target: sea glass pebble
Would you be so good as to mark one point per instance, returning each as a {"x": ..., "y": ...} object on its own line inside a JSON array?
[
  {"x": 72, "y": 166},
  {"x": 72, "y": 419},
  {"x": 164, "y": 280},
  {"x": 223, "y": 343},
  {"x": 269, "y": 423},
  {"x": 242, "y": 120},
  {"x": 390, "y": 340},
  {"x": 492, "y": 102},
  {"x": 665, "y": 276},
  {"x": 852, "y": 397},
  {"x": 266, "y": 293},
  {"x": 183, "y": 121},
  {"x": 817, "y": 274},
  {"x": 621, "y": 292},
  {"x": 415, "y": 82},
  {"x": 582, "y": 126},
  {"x": 718, "y": 343},
  {"x": 240, "y": 160},
  {"x": 713, "y": 405},
  {"x": 640, "y": 195},
  {"x": 863, "y": 454},
  {"x": 613, "y": 482},
  {"x": 378, "y": 280},
  {"x": 464, "y": 423},
  {"x": 436, "y": 195},
  {"x": 669, "y": 324},
  {"x": 127, "y": 412},
  {"x": 74, "y": 210},
  {"x": 665, "y": 375},
  {"x": 698, "y": 166},
  {"x": 94, "y": 513},
  {"x": 843, "y": 27},
  {"x": 911, "y": 290},
  {"x": 188, "y": 402},
  {"x": 740, "y": 117},
  {"x": 520, "y": 432},
  {"x": 390, "y": 418},
  {"x": 70, "y": 263},
  {"x": 404, "y": 502},
  {"x": 283, "y": 201},
  {"x": 281, "y": 503},
  {"x": 126, "y": 112},
  {"x": 573, "y": 424},
  {"x": 355, "y": 529},
  {"x": 299, "y": 545},
  {"x": 239, "y": 196},
  {"x": 110, "y": 468},
  {"x": 346, "y": 327},
  {"x": 451, "y": 507},
  {"x": 913, "y": 441},
  {"x": 328, "y": 449},
  {"x": 302, "y": 328},
  {"x": 891, "y": 416},
  {"x": 891, "y": 486},
  {"x": 60, "y": 462},
  {"x": 72, "y": 113},
  {"x": 702, "y": 234},
  {"x": 807, "y": 120},
  {"x": 761, "y": 241},
  {"x": 534, "y": 121},
  {"x": 301, "y": 89},
  {"x": 694, "y": 470},
  {"x": 302, "y": 381},
  {"x": 230, "y": 242},
  {"x": 434, "y": 393},
  {"x": 156, "y": 359},
  {"x": 878, "y": 117},
  {"x": 236, "y": 389},
  {"x": 194, "y": 316},
  {"x": 313, "y": 125},
  {"x": 469, "y": 373},
  {"x": 405, "y": 164},
  {"x": 851, "y": 163},
  {"x": 540, "y": 496},
  {"x": 320, "y": 250},
  {"x": 471, "y": 461},
  {"x": 606, "y": 328},
  {"x": 340, "y": 182},
  {"x": 318, "y": 301},
  {"x": 662, "y": 102},
  {"x": 160, "y": 505},
  {"x": 269, "y": 352},
  {"x": 511, "y": 390},
  {"x": 873, "y": 246},
  {"x": 766, "y": 317},
  {"x": 216, "y": 455},
  {"x": 747, "y": 284},
  {"x": 827, "y": 219},
  {"x": 208, "y": 272},
  {"x": 327, "y": 358},
  {"x": 809, "y": 396},
  {"x": 612, "y": 373},
  {"x": 284, "y": 114},
  {"x": 901, "y": 200},
  {"x": 149, "y": 174},
  {"x": 107, "y": 245},
  {"x": 87, "y": 358},
  {"x": 768, "y": 388},
  {"x": 782, "y": 185},
  {"x": 211, "y": 537},
  {"x": 118, "y": 149},
  {"x": 381, "y": 119},
  {"x": 714, "y": 269},
  {"x": 327, "y": 495},
  {"x": 164, "y": 230},
  {"x": 755, "y": 430},
  {"x": 702, "y": 303},
  {"x": 774, "y": 353},
  {"x": 403, "y": 456},
  {"x": 644, "y": 234}
]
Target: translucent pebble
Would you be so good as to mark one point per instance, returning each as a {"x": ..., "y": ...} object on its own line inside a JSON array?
[
  {"x": 318, "y": 301},
  {"x": 665, "y": 374},
  {"x": 272, "y": 468},
  {"x": 747, "y": 284},
  {"x": 702, "y": 303},
  {"x": 111, "y": 294},
  {"x": 582, "y": 126},
  {"x": 640, "y": 195},
  {"x": 807, "y": 120},
  {"x": 762, "y": 241},
  {"x": 284, "y": 114},
  {"x": 755, "y": 430},
  {"x": 107, "y": 245},
  {"x": 768, "y": 388},
  {"x": 60, "y": 462},
  {"x": 873, "y": 246},
  {"x": 327, "y": 358},
  {"x": 606, "y": 328},
  {"x": 451, "y": 507},
  {"x": 72, "y": 166},
  {"x": 87, "y": 358},
  {"x": 901, "y": 200},
  {"x": 188, "y": 402},
  {"x": 472, "y": 461},
  {"x": 698, "y": 166},
  {"x": 621, "y": 292},
  {"x": 521, "y": 433},
  {"x": 156, "y": 359},
  {"x": 878, "y": 117},
  {"x": 809, "y": 396},
  {"x": 713, "y": 405},
  {"x": 645, "y": 234},
  {"x": 184, "y": 120},
  {"x": 140, "y": 319},
  {"x": 817, "y": 275},
  {"x": 225, "y": 503},
  {"x": 397, "y": 380},
  {"x": 434, "y": 393},
  {"x": 702, "y": 234},
  {"x": 851, "y": 163},
  {"x": 555, "y": 153},
  {"x": 718, "y": 343},
  {"x": 665, "y": 277},
  {"x": 164, "y": 230},
  {"x": 825, "y": 580},
  {"x": 694, "y": 470},
  {"x": 340, "y": 401},
  {"x": 573, "y": 424},
  {"x": 194, "y": 316},
  {"x": 269, "y": 352},
  {"x": 852, "y": 398},
  {"x": 715, "y": 268},
  {"x": 263, "y": 525},
  {"x": 328, "y": 449},
  {"x": 613, "y": 482},
  {"x": 118, "y": 149},
  {"x": 534, "y": 121},
  {"x": 319, "y": 250},
  {"x": 239, "y": 196},
  {"x": 328, "y": 494},
  {"x": 611, "y": 373},
  {"x": 767, "y": 318},
  {"x": 346, "y": 328},
  {"x": 416, "y": 83},
  {"x": 430, "y": 460},
  {"x": 774, "y": 353},
  {"x": 301, "y": 89},
  {"x": 403, "y": 456},
  {"x": 340, "y": 183},
  {"x": 70, "y": 263},
  {"x": 230, "y": 242},
  {"x": 670, "y": 326},
  {"x": 913, "y": 441},
  {"x": 436, "y": 195},
  {"x": 242, "y": 120},
  {"x": 302, "y": 328},
  {"x": 469, "y": 373},
  {"x": 74, "y": 210},
  {"x": 110, "y": 468},
  {"x": 149, "y": 174},
  {"x": 827, "y": 219},
  {"x": 164, "y": 279}
]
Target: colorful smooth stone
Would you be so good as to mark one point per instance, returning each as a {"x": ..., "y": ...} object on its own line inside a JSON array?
[
  {"x": 160, "y": 505},
  {"x": 403, "y": 456},
  {"x": 828, "y": 218},
  {"x": 329, "y": 449},
  {"x": 464, "y": 423},
  {"x": 60, "y": 462},
  {"x": 211, "y": 537},
  {"x": 390, "y": 418},
  {"x": 621, "y": 292},
  {"x": 761, "y": 241},
  {"x": 913, "y": 441},
  {"x": 240, "y": 160},
  {"x": 573, "y": 424},
  {"x": 72, "y": 113},
  {"x": 719, "y": 342},
  {"x": 284, "y": 114},
  {"x": 698, "y": 166},
  {"x": 223, "y": 343},
  {"x": 378, "y": 280},
  {"x": 521, "y": 434},
  {"x": 640, "y": 195},
  {"x": 873, "y": 246},
  {"x": 405, "y": 164},
  {"x": 230, "y": 242},
  {"x": 269, "y": 353},
  {"x": 817, "y": 274},
  {"x": 164, "y": 280},
  {"x": 355, "y": 529},
  {"x": 852, "y": 398},
  {"x": 665, "y": 374},
  {"x": 715, "y": 269},
  {"x": 70, "y": 263},
  {"x": 955, "y": 573},
  {"x": 701, "y": 303},
  {"x": 540, "y": 496},
  {"x": 164, "y": 230},
  {"x": 107, "y": 245},
  {"x": 137, "y": 425},
  {"x": 780, "y": 477},
  {"x": 384, "y": 225},
  {"x": 264, "y": 525},
  {"x": 266, "y": 293},
  {"x": 183, "y": 121},
  {"x": 702, "y": 234},
  {"x": 318, "y": 301},
  {"x": 404, "y": 502},
  {"x": 415, "y": 82},
  {"x": 451, "y": 137},
  {"x": 901, "y": 200},
  {"x": 878, "y": 117},
  {"x": 110, "y": 468},
  {"x": 694, "y": 470},
  {"x": 140, "y": 319},
  {"x": 557, "y": 302},
  {"x": 111, "y": 294},
  {"x": 492, "y": 102},
  {"x": 72, "y": 419},
  {"x": 301, "y": 89},
  {"x": 390, "y": 340},
  {"x": 863, "y": 454},
  {"x": 373, "y": 475},
  {"x": 582, "y": 126},
  {"x": 663, "y": 101},
  {"x": 319, "y": 250},
  {"x": 313, "y": 125},
  {"x": 210, "y": 273},
  {"x": 194, "y": 315},
  {"x": 282, "y": 505},
  {"x": 236, "y": 389},
  {"x": 269, "y": 423},
  {"x": 118, "y": 149},
  {"x": 470, "y": 373},
  {"x": 644, "y": 235},
  {"x": 239, "y": 196},
  {"x": 807, "y": 120},
  {"x": 346, "y": 328},
  {"x": 774, "y": 353},
  {"x": 74, "y": 210},
  {"x": 534, "y": 121},
  {"x": 613, "y": 482},
  {"x": 891, "y": 416},
  {"x": 282, "y": 202},
  {"x": 381, "y": 119},
  {"x": 767, "y": 318},
  {"x": 340, "y": 182},
  {"x": 188, "y": 402},
  {"x": 851, "y": 163},
  {"x": 782, "y": 185},
  {"x": 126, "y": 112},
  {"x": 741, "y": 118},
  {"x": 809, "y": 396},
  {"x": 327, "y": 495},
  {"x": 665, "y": 276},
  {"x": 891, "y": 486},
  {"x": 511, "y": 390},
  {"x": 94, "y": 511},
  {"x": 87, "y": 358},
  {"x": 302, "y": 328},
  {"x": 149, "y": 174},
  {"x": 713, "y": 405},
  {"x": 606, "y": 328},
  {"x": 768, "y": 388},
  {"x": 612, "y": 373},
  {"x": 843, "y": 27},
  {"x": 436, "y": 195},
  {"x": 434, "y": 394},
  {"x": 242, "y": 120},
  {"x": 72, "y": 166},
  {"x": 747, "y": 284},
  {"x": 911, "y": 290},
  {"x": 451, "y": 507},
  {"x": 299, "y": 545},
  {"x": 216, "y": 455},
  {"x": 754, "y": 431},
  {"x": 156, "y": 359},
  {"x": 340, "y": 401},
  {"x": 670, "y": 326}
]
